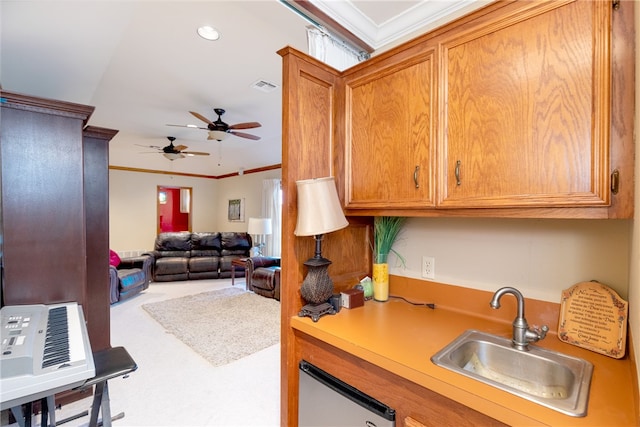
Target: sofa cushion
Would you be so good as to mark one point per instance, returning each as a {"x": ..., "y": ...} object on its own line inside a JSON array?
[
  {"x": 206, "y": 244},
  {"x": 131, "y": 278},
  {"x": 172, "y": 254},
  {"x": 173, "y": 265},
  {"x": 203, "y": 275},
  {"x": 206, "y": 241},
  {"x": 173, "y": 241},
  {"x": 200, "y": 264},
  {"x": 235, "y": 241},
  {"x": 235, "y": 252}
]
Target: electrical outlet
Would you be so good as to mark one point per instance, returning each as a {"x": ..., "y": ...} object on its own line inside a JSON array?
[{"x": 428, "y": 267}]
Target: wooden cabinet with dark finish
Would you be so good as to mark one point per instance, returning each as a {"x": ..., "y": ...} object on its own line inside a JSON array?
[
  {"x": 55, "y": 208},
  {"x": 96, "y": 208}
]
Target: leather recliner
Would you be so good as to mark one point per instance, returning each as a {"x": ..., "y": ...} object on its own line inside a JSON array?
[
  {"x": 263, "y": 276},
  {"x": 130, "y": 277}
]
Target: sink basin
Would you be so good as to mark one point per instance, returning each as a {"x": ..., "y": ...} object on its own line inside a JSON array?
[{"x": 551, "y": 379}]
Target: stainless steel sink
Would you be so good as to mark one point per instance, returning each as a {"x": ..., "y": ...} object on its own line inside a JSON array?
[{"x": 551, "y": 379}]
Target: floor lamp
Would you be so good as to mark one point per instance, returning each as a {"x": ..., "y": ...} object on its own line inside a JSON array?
[
  {"x": 259, "y": 227},
  {"x": 319, "y": 212}
]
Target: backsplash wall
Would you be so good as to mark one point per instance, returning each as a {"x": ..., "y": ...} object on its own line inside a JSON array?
[{"x": 541, "y": 257}]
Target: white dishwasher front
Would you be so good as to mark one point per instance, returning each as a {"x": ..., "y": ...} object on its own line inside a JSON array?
[{"x": 326, "y": 401}]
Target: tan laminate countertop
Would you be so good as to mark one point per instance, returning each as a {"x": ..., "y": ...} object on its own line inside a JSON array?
[{"x": 401, "y": 338}]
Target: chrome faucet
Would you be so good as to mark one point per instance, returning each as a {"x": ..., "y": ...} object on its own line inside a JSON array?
[{"x": 522, "y": 335}]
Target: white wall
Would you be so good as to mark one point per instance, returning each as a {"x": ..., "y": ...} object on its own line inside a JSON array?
[
  {"x": 539, "y": 257},
  {"x": 132, "y": 204},
  {"x": 249, "y": 187}
]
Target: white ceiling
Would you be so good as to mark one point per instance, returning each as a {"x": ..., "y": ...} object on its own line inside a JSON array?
[{"x": 142, "y": 65}]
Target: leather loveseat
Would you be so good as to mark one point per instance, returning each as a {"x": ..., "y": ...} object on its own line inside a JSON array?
[
  {"x": 129, "y": 277},
  {"x": 199, "y": 255}
]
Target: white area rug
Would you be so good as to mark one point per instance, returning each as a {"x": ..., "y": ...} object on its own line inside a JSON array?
[{"x": 223, "y": 325}]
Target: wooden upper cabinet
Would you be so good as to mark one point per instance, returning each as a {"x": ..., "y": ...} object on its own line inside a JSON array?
[
  {"x": 525, "y": 109},
  {"x": 389, "y": 138}
]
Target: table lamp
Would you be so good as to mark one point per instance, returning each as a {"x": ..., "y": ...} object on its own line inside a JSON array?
[
  {"x": 259, "y": 227},
  {"x": 319, "y": 212}
]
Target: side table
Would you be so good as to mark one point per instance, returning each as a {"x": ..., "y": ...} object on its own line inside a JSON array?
[{"x": 237, "y": 262}]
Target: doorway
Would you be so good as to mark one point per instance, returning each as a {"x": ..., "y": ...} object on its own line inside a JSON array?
[{"x": 174, "y": 208}]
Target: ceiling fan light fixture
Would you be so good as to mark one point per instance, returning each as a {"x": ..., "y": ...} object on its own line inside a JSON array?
[
  {"x": 218, "y": 135},
  {"x": 173, "y": 156},
  {"x": 208, "y": 33}
]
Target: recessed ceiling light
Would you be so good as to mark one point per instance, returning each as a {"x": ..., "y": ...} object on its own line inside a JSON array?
[{"x": 208, "y": 33}]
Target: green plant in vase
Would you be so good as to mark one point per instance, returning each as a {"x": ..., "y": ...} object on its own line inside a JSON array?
[{"x": 385, "y": 231}]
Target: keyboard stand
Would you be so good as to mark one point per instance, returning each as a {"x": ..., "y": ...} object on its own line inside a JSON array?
[
  {"x": 48, "y": 412},
  {"x": 109, "y": 363}
]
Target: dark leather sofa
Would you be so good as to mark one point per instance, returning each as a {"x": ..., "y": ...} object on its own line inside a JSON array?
[
  {"x": 199, "y": 255},
  {"x": 263, "y": 276},
  {"x": 130, "y": 277}
]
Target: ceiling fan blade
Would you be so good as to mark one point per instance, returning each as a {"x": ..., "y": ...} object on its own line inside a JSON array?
[
  {"x": 149, "y": 146},
  {"x": 180, "y": 147},
  {"x": 201, "y": 117},
  {"x": 188, "y": 126},
  {"x": 247, "y": 125},
  {"x": 244, "y": 135},
  {"x": 194, "y": 153}
]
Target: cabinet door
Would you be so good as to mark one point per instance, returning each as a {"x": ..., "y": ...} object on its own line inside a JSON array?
[
  {"x": 42, "y": 201},
  {"x": 526, "y": 109},
  {"x": 389, "y": 139}
]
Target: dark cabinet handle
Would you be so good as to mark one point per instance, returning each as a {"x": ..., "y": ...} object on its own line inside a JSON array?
[
  {"x": 615, "y": 181},
  {"x": 457, "y": 172},
  {"x": 416, "y": 173}
]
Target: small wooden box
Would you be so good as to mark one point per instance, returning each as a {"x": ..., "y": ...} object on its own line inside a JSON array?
[{"x": 352, "y": 298}]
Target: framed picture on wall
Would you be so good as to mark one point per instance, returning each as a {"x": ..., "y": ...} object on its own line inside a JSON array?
[{"x": 236, "y": 210}]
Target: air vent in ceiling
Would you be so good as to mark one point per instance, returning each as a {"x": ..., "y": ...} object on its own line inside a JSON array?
[{"x": 264, "y": 86}]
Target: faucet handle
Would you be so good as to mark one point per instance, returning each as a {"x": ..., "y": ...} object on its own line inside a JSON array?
[{"x": 542, "y": 331}]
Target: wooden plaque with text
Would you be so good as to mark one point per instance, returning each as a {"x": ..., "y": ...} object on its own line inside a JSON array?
[{"x": 593, "y": 316}]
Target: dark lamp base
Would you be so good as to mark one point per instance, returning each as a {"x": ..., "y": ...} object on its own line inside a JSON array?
[{"x": 315, "y": 311}]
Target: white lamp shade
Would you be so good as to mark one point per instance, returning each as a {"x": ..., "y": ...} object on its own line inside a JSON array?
[
  {"x": 258, "y": 226},
  {"x": 319, "y": 208}
]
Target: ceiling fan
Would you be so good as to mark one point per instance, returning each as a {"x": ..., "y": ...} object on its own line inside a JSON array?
[
  {"x": 219, "y": 130},
  {"x": 173, "y": 152}
]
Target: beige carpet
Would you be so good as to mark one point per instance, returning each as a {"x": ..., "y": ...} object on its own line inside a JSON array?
[{"x": 223, "y": 325}]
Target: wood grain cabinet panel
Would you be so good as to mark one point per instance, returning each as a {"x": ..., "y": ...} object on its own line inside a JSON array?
[
  {"x": 526, "y": 109},
  {"x": 389, "y": 137}
]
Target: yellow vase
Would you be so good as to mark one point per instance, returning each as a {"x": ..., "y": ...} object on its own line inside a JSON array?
[{"x": 381, "y": 281}]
